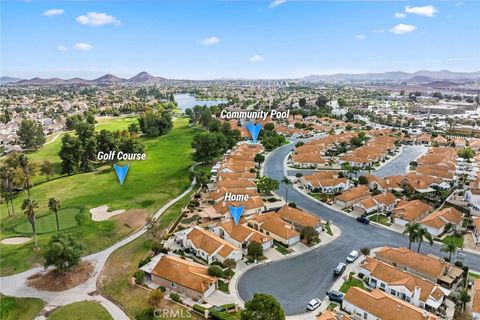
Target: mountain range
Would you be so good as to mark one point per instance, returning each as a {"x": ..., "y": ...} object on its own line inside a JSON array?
[{"x": 422, "y": 76}]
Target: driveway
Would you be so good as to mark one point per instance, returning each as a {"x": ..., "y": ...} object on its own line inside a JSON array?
[{"x": 297, "y": 280}]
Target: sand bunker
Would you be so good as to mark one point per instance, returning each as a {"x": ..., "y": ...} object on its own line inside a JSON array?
[
  {"x": 101, "y": 213},
  {"x": 16, "y": 240}
]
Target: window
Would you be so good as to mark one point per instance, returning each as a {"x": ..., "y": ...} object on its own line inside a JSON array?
[
  {"x": 393, "y": 292},
  {"x": 365, "y": 315},
  {"x": 174, "y": 285}
]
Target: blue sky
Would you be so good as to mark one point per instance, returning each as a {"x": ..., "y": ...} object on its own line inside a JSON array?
[{"x": 237, "y": 39}]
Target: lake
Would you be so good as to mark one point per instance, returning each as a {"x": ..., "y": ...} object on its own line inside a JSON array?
[{"x": 185, "y": 100}]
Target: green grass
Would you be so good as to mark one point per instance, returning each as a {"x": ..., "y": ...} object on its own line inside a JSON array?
[
  {"x": 474, "y": 275},
  {"x": 84, "y": 310},
  {"x": 458, "y": 240},
  {"x": 222, "y": 286},
  {"x": 115, "y": 124},
  {"x": 353, "y": 282},
  {"x": 380, "y": 218},
  {"x": 332, "y": 306},
  {"x": 191, "y": 219},
  {"x": 328, "y": 229},
  {"x": 12, "y": 308},
  {"x": 172, "y": 213},
  {"x": 282, "y": 250},
  {"x": 66, "y": 217},
  {"x": 149, "y": 184}
]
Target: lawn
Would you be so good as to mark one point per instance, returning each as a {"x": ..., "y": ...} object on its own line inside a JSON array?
[
  {"x": 458, "y": 240},
  {"x": 114, "y": 124},
  {"x": 380, "y": 218},
  {"x": 474, "y": 275},
  {"x": 282, "y": 249},
  {"x": 328, "y": 229},
  {"x": 84, "y": 310},
  {"x": 12, "y": 308},
  {"x": 149, "y": 185},
  {"x": 222, "y": 286},
  {"x": 353, "y": 282}
]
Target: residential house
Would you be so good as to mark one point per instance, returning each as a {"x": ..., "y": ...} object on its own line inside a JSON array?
[
  {"x": 271, "y": 224},
  {"x": 406, "y": 286},
  {"x": 429, "y": 267},
  {"x": 410, "y": 211},
  {"x": 207, "y": 245},
  {"x": 352, "y": 196},
  {"x": 300, "y": 219},
  {"x": 438, "y": 221},
  {"x": 383, "y": 202},
  {"x": 333, "y": 315},
  {"x": 476, "y": 300},
  {"x": 308, "y": 160},
  {"x": 180, "y": 275},
  {"x": 378, "y": 305},
  {"x": 476, "y": 230},
  {"x": 241, "y": 235},
  {"x": 325, "y": 182}
]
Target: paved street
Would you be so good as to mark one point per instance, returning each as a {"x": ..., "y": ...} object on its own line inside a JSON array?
[
  {"x": 400, "y": 163},
  {"x": 297, "y": 280}
]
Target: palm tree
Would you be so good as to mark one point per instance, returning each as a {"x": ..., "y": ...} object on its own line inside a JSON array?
[
  {"x": 369, "y": 168},
  {"x": 54, "y": 205},
  {"x": 464, "y": 298},
  {"x": 287, "y": 182},
  {"x": 29, "y": 206},
  {"x": 23, "y": 160},
  {"x": 412, "y": 230},
  {"x": 423, "y": 234},
  {"x": 449, "y": 247}
]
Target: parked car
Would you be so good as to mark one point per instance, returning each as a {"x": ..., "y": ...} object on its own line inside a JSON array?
[
  {"x": 335, "y": 296},
  {"x": 339, "y": 269},
  {"x": 363, "y": 220},
  {"x": 352, "y": 256},
  {"x": 314, "y": 304}
]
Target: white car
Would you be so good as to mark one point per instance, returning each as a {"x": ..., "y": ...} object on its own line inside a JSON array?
[
  {"x": 314, "y": 304},
  {"x": 352, "y": 256}
]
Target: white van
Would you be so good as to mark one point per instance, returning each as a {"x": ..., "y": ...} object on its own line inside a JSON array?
[
  {"x": 352, "y": 256},
  {"x": 314, "y": 304}
]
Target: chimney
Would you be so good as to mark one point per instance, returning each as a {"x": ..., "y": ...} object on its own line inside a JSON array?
[{"x": 416, "y": 293}]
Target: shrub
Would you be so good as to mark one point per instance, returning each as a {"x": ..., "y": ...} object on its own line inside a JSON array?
[
  {"x": 155, "y": 297},
  {"x": 365, "y": 251},
  {"x": 162, "y": 288},
  {"x": 139, "y": 275},
  {"x": 146, "y": 314},
  {"x": 175, "y": 297},
  {"x": 218, "y": 315},
  {"x": 199, "y": 308},
  {"x": 144, "y": 262},
  {"x": 215, "y": 271},
  {"x": 228, "y": 273}
]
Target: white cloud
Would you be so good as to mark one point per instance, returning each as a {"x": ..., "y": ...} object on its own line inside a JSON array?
[
  {"x": 52, "y": 12},
  {"x": 61, "y": 48},
  {"x": 428, "y": 11},
  {"x": 97, "y": 19},
  {"x": 255, "y": 58},
  {"x": 400, "y": 15},
  {"x": 82, "y": 46},
  {"x": 210, "y": 41},
  {"x": 403, "y": 28},
  {"x": 360, "y": 36},
  {"x": 378, "y": 31},
  {"x": 276, "y": 3}
]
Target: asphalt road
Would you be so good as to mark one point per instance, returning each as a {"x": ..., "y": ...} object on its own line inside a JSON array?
[{"x": 297, "y": 280}]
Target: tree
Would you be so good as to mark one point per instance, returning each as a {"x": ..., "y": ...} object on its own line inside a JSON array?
[
  {"x": 466, "y": 153},
  {"x": 70, "y": 153},
  {"x": 309, "y": 234},
  {"x": 24, "y": 164},
  {"x": 54, "y": 205},
  {"x": 230, "y": 263},
  {"x": 63, "y": 252},
  {"x": 349, "y": 116},
  {"x": 263, "y": 307},
  {"x": 449, "y": 247},
  {"x": 286, "y": 182},
  {"x": 423, "y": 234},
  {"x": 31, "y": 135},
  {"x": 365, "y": 251},
  {"x": 155, "y": 297},
  {"x": 86, "y": 134},
  {"x": 265, "y": 184},
  {"x": 254, "y": 250},
  {"x": 363, "y": 180},
  {"x": 215, "y": 271},
  {"x": 133, "y": 128},
  {"x": 259, "y": 158},
  {"x": 28, "y": 207},
  {"x": 47, "y": 169},
  {"x": 208, "y": 146},
  {"x": 6, "y": 174},
  {"x": 155, "y": 123},
  {"x": 411, "y": 229},
  {"x": 464, "y": 298},
  {"x": 302, "y": 102}
]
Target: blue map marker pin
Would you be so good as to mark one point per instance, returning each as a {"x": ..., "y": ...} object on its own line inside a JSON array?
[
  {"x": 236, "y": 213},
  {"x": 121, "y": 172},
  {"x": 254, "y": 130}
]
